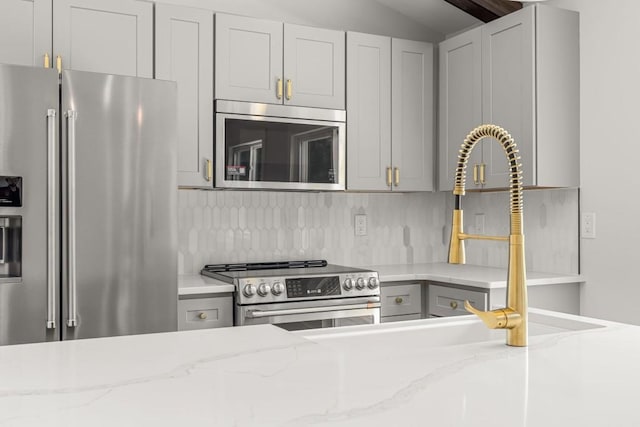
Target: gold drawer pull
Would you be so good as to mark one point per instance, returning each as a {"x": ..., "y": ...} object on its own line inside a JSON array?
[
  {"x": 399, "y": 300},
  {"x": 453, "y": 304},
  {"x": 202, "y": 316}
]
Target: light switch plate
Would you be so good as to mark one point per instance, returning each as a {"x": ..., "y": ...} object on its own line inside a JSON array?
[
  {"x": 588, "y": 225},
  {"x": 361, "y": 225}
]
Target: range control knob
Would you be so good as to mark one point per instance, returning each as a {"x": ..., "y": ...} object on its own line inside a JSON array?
[
  {"x": 264, "y": 289},
  {"x": 373, "y": 282},
  {"x": 249, "y": 290},
  {"x": 277, "y": 288},
  {"x": 360, "y": 283},
  {"x": 348, "y": 284}
]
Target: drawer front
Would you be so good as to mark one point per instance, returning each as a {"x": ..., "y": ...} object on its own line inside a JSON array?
[
  {"x": 444, "y": 301},
  {"x": 202, "y": 313},
  {"x": 398, "y": 300}
]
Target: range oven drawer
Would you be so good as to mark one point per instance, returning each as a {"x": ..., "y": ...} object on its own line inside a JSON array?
[{"x": 311, "y": 314}]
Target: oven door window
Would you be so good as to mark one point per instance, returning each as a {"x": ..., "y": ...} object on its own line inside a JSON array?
[{"x": 258, "y": 150}]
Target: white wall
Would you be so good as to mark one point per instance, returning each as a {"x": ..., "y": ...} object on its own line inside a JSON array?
[
  {"x": 350, "y": 15},
  {"x": 610, "y": 90}
]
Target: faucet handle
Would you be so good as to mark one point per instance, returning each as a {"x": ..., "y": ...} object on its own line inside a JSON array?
[{"x": 501, "y": 318}]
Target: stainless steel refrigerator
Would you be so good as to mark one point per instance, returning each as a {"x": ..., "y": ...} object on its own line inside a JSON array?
[{"x": 88, "y": 197}]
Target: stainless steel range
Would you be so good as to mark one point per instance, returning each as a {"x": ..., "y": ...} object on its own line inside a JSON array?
[{"x": 301, "y": 294}]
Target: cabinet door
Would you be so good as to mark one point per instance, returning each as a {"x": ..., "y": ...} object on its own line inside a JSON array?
[
  {"x": 412, "y": 115},
  {"x": 114, "y": 37},
  {"x": 184, "y": 53},
  {"x": 460, "y": 103},
  {"x": 25, "y": 31},
  {"x": 509, "y": 92},
  {"x": 248, "y": 59},
  {"x": 314, "y": 67},
  {"x": 369, "y": 111}
]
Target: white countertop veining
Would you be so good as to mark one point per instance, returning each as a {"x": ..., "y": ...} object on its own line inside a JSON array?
[
  {"x": 379, "y": 375},
  {"x": 469, "y": 275},
  {"x": 466, "y": 274}
]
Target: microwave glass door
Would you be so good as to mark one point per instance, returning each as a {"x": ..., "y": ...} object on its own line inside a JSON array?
[{"x": 291, "y": 154}]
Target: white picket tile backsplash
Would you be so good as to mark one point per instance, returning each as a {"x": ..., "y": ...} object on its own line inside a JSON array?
[{"x": 238, "y": 226}]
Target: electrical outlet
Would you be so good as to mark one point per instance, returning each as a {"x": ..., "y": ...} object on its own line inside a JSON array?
[
  {"x": 479, "y": 223},
  {"x": 361, "y": 225},
  {"x": 588, "y": 225}
]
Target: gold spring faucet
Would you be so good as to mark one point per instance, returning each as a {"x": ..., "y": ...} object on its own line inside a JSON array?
[{"x": 513, "y": 317}]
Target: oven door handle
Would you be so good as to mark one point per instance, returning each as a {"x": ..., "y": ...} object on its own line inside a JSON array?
[{"x": 255, "y": 314}]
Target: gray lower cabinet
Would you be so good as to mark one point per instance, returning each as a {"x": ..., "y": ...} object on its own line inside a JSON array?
[
  {"x": 184, "y": 53},
  {"x": 400, "y": 301},
  {"x": 444, "y": 301},
  {"x": 205, "y": 311}
]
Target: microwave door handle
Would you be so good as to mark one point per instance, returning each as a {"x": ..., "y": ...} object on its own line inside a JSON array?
[
  {"x": 255, "y": 314},
  {"x": 51, "y": 218},
  {"x": 71, "y": 115}
]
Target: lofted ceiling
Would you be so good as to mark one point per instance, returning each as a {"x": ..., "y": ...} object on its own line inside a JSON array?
[{"x": 451, "y": 16}]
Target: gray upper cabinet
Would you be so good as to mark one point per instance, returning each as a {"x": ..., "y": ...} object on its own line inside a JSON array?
[
  {"x": 184, "y": 53},
  {"x": 412, "y": 115},
  {"x": 529, "y": 65},
  {"x": 389, "y": 148},
  {"x": 369, "y": 111},
  {"x": 460, "y": 98},
  {"x": 314, "y": 67},
  {"x": 113, "y": 36},
  {"x": 248, "y": 59},
  {"x": 25, "y": 32},
  {"x": 270, "y": 62}
]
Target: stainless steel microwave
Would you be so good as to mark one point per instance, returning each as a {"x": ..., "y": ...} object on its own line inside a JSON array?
[{"x": 262, "y": 146}]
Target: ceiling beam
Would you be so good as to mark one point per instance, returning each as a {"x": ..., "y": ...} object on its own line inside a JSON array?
[{"x": 486, "y": 10}]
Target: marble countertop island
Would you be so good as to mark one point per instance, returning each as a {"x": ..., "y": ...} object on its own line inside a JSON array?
[{"x": 425, "y": 372}]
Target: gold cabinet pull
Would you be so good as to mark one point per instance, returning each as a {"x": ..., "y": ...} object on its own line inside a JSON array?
[
  {"x": 482, "y": 168},
  {"x": 389, "y": 183},
  {"x": 475, "y": 174},
  {"x": 209, "y": 170},
  {"x": 289, "y": 89},
  {"x": 202, "y": 316},
  {"x": 59, "y": 64},
  {"x": 399, "y": 300},
  {"x": 396, "y": 176},
  {"x": 47, "y": 60},
  {"x": 453, "y": 304},
  {"x": 279, "y": 89}
]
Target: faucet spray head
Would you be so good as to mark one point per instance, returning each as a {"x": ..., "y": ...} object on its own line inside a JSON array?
[{"x": 456, "y": 244}]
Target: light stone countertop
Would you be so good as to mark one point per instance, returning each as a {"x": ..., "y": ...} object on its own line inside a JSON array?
[
  {"x": 466, "y": 274},
  {"x": 469, "y": 275},
  {"x": 390, "y": 375},
  {"x": 196, "y": 284}
]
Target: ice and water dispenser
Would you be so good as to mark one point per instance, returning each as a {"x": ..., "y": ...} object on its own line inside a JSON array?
[{"x": 10, "y": 229}]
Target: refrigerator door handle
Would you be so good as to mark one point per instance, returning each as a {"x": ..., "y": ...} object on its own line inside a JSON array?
[
  {"x": 51, "y": 218},
  {"x": 71, "y": 116}
]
